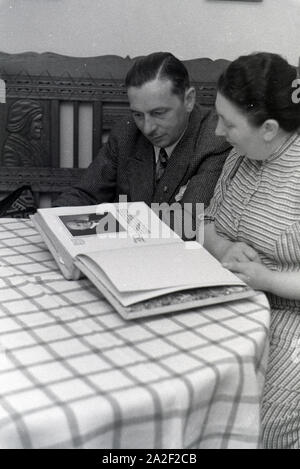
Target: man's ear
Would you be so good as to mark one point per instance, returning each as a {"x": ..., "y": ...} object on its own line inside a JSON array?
[
  {"x": 270, "y": 130},
  {"x": 190, "y": 99}
]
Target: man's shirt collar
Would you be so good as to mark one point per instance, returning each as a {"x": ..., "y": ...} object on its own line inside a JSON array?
[{"x": 170, "y": 148}]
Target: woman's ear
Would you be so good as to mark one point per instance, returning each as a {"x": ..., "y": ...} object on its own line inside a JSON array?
[{"x": 270, "y": 130}]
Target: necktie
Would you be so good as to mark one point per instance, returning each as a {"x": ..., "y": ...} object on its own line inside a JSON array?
[{"x": 161, "y": 164}]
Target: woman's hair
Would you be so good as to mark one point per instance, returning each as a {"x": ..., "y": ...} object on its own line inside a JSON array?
[
  {"x": 163, "y": 65},
  {"x": 260, "y": 85}
]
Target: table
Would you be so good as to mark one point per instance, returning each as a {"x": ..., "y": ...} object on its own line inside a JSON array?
[{"x": 74, "y": 374}]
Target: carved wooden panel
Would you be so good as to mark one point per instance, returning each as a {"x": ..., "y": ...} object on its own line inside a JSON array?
[
  {"x": 25, "y": 133},
  {"x": 49, "y": 180}
]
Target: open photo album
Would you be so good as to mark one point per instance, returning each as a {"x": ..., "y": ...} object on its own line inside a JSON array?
[{"x": 135, "y": 260}]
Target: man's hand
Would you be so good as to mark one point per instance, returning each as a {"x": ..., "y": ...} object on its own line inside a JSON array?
[
  {"x": 240, "y": 252},
  {"x": 255, "y": 274}
]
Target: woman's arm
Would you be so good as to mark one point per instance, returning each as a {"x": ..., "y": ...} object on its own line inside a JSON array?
[
  {"x": 259, "y": 277},
  {"x": 284, "y": 284},
  {"x": 214, "y": 243},
  {"x": 225, "y": 250}
]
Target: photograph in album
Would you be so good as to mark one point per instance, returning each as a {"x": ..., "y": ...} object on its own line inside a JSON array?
[
  {"x": 135, "y": 260},
  {"x": 91, "y": 224}
]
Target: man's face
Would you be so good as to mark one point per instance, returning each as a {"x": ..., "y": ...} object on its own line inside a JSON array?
[{"x": 160, "y": 114}]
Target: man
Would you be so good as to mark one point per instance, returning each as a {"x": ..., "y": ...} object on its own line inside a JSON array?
[{"x": 166, "y": 152}]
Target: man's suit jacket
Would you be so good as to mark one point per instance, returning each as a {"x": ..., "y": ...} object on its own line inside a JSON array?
[{"x": 125, "y": 165}]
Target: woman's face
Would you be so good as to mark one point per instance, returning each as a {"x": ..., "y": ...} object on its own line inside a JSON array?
[{"x": 238, "y": 131}]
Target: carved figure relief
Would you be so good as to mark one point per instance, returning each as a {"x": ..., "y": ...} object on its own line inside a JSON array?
[{"x": 23, "y": 145}]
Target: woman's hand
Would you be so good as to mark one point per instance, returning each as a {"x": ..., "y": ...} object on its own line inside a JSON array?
[
  {"x": 255, "y": 274},
  {"x": 240, "y": 252}
]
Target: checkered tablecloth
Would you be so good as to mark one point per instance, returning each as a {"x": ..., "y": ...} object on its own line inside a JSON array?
[{"x": 74, "y": 374}]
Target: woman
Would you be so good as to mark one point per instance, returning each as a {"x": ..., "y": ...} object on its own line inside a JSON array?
[{"x": 253, "y": 221}]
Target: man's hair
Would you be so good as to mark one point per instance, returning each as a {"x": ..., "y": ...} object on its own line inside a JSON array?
[
  {"x": 161, "y": 65},
  {"x": 260, "y": 85}
]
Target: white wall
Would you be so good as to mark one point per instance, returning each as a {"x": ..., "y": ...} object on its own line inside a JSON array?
[{"x": 189, "y": 28}]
